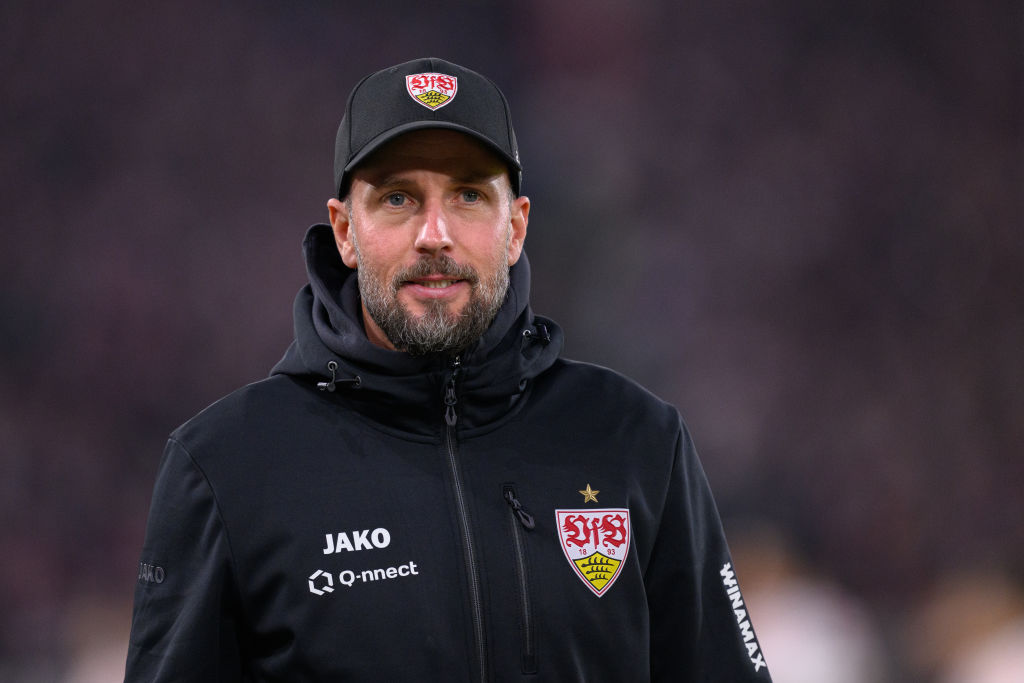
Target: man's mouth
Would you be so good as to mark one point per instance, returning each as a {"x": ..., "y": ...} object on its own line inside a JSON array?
[
  {"x": 439, "y": 276},
  {"x": 435, "y": 284},
  {"x": 434, "y": 280}
]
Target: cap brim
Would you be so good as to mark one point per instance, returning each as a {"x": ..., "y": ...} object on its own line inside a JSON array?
[{"x": 389, "y": 135}]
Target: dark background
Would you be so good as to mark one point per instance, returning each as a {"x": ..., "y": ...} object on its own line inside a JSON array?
[{"x": 800, "y": 222}]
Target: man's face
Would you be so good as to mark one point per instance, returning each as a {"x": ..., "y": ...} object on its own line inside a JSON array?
[{"x": 432, "y": 228}]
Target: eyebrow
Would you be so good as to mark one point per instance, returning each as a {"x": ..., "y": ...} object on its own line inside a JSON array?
[
  {"x": 478, "y": 176},
  {"x": 470, "y": 177},
  {"x": 390, "y": 181}
]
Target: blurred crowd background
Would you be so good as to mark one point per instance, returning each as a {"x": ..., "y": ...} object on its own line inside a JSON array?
[{"x": 799, "y": 221}]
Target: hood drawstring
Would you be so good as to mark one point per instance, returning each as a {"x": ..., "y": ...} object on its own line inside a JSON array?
[
  {"x": 356, "y": 381},
  {"x": 541, "y": 335}
]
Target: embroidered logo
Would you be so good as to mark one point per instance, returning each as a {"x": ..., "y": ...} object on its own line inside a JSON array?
[
  {"x": 151, "y": 573},
  {"x": 589, "y": 494},
  {"x": 433, "y": 91},
  {"x": 596, "y": 543}
]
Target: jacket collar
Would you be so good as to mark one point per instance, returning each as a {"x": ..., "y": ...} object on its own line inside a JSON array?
[{"x": 398, "y": 390}]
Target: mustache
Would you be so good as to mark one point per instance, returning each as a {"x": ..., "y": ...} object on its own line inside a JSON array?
[{"x": 441, "y": 264}]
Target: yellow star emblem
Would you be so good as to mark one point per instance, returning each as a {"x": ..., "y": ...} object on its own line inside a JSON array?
[{"x": 589, "y": 494}]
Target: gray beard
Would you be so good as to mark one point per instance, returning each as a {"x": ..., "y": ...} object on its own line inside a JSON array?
[{"x": 437, "y": 330}]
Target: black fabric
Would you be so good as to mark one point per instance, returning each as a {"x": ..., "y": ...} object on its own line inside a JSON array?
[{"x": 368, "y": 534}]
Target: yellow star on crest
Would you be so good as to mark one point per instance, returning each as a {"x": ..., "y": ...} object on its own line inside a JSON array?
[{"x": 589, "y": 494}]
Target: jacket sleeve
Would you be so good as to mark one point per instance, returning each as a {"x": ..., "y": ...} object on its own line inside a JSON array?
[
  {"x": 700, "y": 628},
  {"x": 182, "y": 623}
]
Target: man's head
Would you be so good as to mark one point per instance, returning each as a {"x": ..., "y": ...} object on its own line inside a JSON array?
[
  {"x": 423, "y": 93},
  {"x": 428, "y": 210}
]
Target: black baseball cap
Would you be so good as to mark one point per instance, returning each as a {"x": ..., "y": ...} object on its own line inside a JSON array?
[{"x": 423, "y": 93}]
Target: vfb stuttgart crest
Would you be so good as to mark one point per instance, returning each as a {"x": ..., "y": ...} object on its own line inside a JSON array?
[
  {"x": 596, "y": 543},
  {"x": 433, "y": 91}
]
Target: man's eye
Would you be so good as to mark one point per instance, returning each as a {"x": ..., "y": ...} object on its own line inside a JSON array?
[
  {"x": 470, "y": 196},
  {"x": 395, "y": 199}
]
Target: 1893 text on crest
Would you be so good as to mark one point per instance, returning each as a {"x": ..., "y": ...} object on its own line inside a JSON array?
[{"x": 596, "y": 543}]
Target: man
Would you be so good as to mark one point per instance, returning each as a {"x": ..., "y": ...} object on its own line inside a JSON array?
[{"x": 423, "y": 489}]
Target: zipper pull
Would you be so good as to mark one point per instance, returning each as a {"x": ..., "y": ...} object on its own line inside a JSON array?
[
  {"x": 450, "y": 399},
  {"x": 525, "y": 518}
]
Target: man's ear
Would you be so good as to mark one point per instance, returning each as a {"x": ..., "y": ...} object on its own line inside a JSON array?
[
  {"x": 341, "y": 224},
  {"x": 520, "y": 217}
]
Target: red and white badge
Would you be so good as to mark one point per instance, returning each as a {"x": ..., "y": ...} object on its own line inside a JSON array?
[
  {"x": 596, "y": 543},
  {"x": 431, "y": 90}
]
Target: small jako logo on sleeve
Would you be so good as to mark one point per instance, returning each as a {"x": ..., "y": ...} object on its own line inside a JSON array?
[{"x": 151, "y": 573}]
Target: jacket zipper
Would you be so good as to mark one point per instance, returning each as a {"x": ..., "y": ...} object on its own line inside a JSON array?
[
  {"x": 469, "y": 550},
  {"x": 521, "y": 519}
]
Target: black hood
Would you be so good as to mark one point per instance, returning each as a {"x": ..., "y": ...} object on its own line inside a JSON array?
[{"x": 399, "y": 390}]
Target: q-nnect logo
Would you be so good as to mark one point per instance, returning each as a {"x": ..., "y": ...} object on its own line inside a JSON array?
[{"x": 321, "y": 582}]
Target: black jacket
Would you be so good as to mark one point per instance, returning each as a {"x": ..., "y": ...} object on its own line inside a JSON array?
[{"x": 365, "y": 515}]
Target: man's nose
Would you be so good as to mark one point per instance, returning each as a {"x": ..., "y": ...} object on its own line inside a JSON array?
[{"x": 433, "y": 235}]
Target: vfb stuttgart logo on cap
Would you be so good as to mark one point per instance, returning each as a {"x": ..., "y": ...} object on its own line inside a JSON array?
[
  {"x": 596, "y": 543},
  {"x": 433, "y": 91}
]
